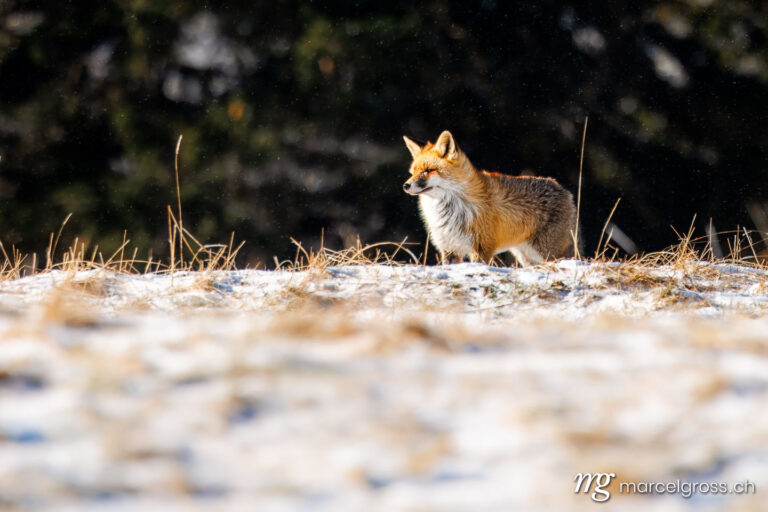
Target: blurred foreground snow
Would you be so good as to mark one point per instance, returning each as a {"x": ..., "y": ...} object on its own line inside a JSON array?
[{"x": 373, "y": 388}]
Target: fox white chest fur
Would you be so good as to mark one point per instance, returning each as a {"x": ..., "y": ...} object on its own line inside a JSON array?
[{"x": 448, "y": 217}]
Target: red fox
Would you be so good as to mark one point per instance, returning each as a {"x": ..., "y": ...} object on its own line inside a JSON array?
[{"x": 478, "y": 214}]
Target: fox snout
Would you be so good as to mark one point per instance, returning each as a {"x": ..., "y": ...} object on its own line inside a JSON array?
[{"x": 415, "y": 187}]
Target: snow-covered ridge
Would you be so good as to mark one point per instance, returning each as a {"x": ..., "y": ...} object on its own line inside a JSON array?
[
  {"x": 571, "y": 288},
  {"x": 379, "y": 388}
]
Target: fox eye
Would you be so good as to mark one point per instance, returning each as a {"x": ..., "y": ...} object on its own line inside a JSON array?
[{"x": 427, "y": 172}]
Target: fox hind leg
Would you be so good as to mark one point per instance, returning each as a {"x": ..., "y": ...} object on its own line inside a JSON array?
[{"x": 526, "y": 254}]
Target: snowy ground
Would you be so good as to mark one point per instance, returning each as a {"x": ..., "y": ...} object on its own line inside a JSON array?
[{"x": 374, "y": 388}]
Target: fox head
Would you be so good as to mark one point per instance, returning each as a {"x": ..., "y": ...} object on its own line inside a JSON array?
[{"x": 437, "y": 169}]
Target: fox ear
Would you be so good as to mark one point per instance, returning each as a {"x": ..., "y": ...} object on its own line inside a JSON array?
[
  {"x": 413, "y": 147},
  {"x": 446, "y": 146}
]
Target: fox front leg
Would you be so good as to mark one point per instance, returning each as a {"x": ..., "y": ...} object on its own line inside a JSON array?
[
  {"x": 446, "y": 258},
  {"x": 481, "y": 254}
]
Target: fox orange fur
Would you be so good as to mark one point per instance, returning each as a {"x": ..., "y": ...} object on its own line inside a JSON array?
[{"x": 478, "y": 214}]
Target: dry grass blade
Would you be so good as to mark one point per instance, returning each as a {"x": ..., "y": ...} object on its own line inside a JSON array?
[
  {"x": 598, "y": 253},
  {"x": 751, "y": 245},
  {"x": 51, "y": 251},
  {"x": 171, "y": 239},
  {"x": 575, "y": 234},
  {"x": 715, "y": 251},
  {"x": 13, "y": 265},
  {"x": 178, "y": 198}
]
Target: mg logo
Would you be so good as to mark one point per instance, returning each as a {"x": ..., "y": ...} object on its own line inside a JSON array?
[{"x": 597, "y": 481}]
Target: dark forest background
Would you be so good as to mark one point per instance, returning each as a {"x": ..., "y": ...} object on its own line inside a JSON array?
[{"x": 292, "y": 114}]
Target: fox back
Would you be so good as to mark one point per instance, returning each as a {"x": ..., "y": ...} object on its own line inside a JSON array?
[{"x": 478, "y": 214}]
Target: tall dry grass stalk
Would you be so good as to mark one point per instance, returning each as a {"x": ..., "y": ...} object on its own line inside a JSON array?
[
  {"x": 575, "y": 233},
  {"x": 178, "y": 198}
]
